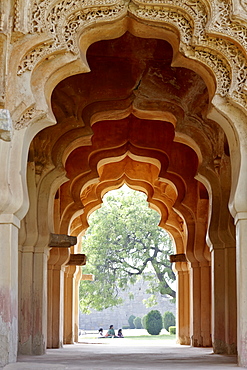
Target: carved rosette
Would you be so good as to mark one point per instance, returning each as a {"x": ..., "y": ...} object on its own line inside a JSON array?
[{"x": 208, "y": 34}]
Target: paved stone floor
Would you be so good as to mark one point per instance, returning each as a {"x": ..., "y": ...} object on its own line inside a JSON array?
[{"x": 125, "y": 354}]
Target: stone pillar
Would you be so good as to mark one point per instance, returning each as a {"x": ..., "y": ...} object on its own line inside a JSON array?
[
  {"x": 25, "y": 300},
  {"x": 218, "y": 302},
  {"x": 241, "y": 257},
  {"x": 40, "y": 300},
  {"x": 27, "y": 238},
  {"x": 183, "y": 303},
  {"x": 224, "y": 303},
  {"x": 195, "y": 305},
  {"x": 76, "y": 297},
  {"x": 200, "y": 304},
  {"x": 69, "y": 311},
  {"x": 206, "y": 304},
  {"x": 55, "y": 314},
  {"x": 9, "y": 225}
]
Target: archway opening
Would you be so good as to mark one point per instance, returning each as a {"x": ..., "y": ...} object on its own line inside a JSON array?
[
  {"x": 128, "y": 255},
  {"x": 134, "y": 118}
]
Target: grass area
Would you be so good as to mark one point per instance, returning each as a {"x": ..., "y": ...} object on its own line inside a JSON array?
[
  {"x": 152, "y": 337},
  {"x": 140, "y": 337},
  {"x": 135, "y": 334}
]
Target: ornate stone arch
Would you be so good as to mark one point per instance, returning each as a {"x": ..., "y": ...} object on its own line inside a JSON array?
[
  {"x": 206, "y": 32},
  {"x": 207, "y": 37}
]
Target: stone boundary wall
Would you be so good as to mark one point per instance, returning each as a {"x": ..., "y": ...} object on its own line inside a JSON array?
[{"x": 118, "y": 316}]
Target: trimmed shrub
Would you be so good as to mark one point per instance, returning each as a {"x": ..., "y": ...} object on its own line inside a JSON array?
[
  {"x": 172, "y": 330},
  {"x": 126, "y": 327},
  {"x": 154, "y": 322},
  {"x": 168, "y": 320},
  {"x": 138, "y": 323},
  {"x": 131, "y": 321},
  {"x": 144, "y": 319}
]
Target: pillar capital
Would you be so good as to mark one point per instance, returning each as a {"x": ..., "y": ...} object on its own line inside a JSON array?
[
  {"x": 240, "y": 216},
  {"x": 7, "y": 218}
]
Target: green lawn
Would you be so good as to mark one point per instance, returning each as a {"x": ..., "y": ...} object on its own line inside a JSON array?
[{"x": 152, "y": 337}]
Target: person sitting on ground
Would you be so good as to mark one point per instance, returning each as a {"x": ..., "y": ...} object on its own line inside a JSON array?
[
  {"x": 120, "y": 333},
  {"x": 111, "y": 332},
  {"x": 101, "y": 333}
]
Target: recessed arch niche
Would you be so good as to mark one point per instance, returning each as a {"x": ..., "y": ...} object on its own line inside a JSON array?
[{"x": 136, "y": 118}]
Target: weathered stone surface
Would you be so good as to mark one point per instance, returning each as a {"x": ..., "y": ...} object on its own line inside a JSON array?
[
  {"x": 178, "y": 258},
  {"x": 62, "y": 241},
  {"x": 152, "y": 96},
  {"x": 5, "y": 125},
  {"x": 88, "y": 277},
  {"x": 77, "y": 260}
]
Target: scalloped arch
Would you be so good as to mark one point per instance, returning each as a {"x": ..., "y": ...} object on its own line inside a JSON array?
[{"x": 67, "y": 28}]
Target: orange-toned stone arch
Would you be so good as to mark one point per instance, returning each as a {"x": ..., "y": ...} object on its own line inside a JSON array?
[{"x": 87, "y": 172}]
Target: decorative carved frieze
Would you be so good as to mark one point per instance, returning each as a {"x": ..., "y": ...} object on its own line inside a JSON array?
[
  {"x": 16, "y": 20},
  {"x": 61, "y": 23},
  {"x": 207, "y": 32},
  {"x": 27, "y": 117},
  {"x": 33, "y": 56}
]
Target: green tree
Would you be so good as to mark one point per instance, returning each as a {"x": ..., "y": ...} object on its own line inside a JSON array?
[
  {"x": 168, "y": 320},
  {"x": 154, "y": 322},
  {"x": 138, "y": 323},
  {"x": 122, "y": 243},
  {"x": 131, "y": 321},
  {"x": 144, "y": 321}
]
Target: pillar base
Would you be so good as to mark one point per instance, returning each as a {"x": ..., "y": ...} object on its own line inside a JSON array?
[{"x": 222, "y": 348}]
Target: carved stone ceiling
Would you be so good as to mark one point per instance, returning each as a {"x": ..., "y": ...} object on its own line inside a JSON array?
[
  {"x": 131, "y": 106},
  {"x": 125, "y": 71}
]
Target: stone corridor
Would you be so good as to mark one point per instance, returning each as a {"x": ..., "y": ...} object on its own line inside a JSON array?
[{"x": 126, "y": 354}]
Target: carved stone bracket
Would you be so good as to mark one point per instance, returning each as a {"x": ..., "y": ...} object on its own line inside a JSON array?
[
  {"x": 87, "y": 277},
  {"x": 77, "y": 260},
  {"x": 6, "y": 126},
  {"x": 178, "y": 258},
  {"x": 62, "y": 241}
]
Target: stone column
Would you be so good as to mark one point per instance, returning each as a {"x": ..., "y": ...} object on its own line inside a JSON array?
[
  {"x": 69, "y": 288},
  {"x": 71, "y": 292},
  {"x": 224, "y": 303},
  {"x": 183, "y": 303},
  {"x": 27, "y": 238},
  {"x": 76, "y": 297},
  {"x": 59, "y": 255},
  {"x": 195, "y": 305},
  {"x": 9, "y": 225},
  {"x": 241, "y": 257},
  {"x": 40, "y": 300},
  {"x": 206, "y": 338},
  {"x": 25, "y": 300},
  {"x": 200, "y": 304},
  {"x": 55, "y": 301}
]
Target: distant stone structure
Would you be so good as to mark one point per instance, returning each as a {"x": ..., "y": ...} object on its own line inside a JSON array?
[{"x": 118, "y": 316}]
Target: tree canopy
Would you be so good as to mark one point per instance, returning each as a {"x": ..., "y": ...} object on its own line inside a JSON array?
[{"x": 123, "y": 243}]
